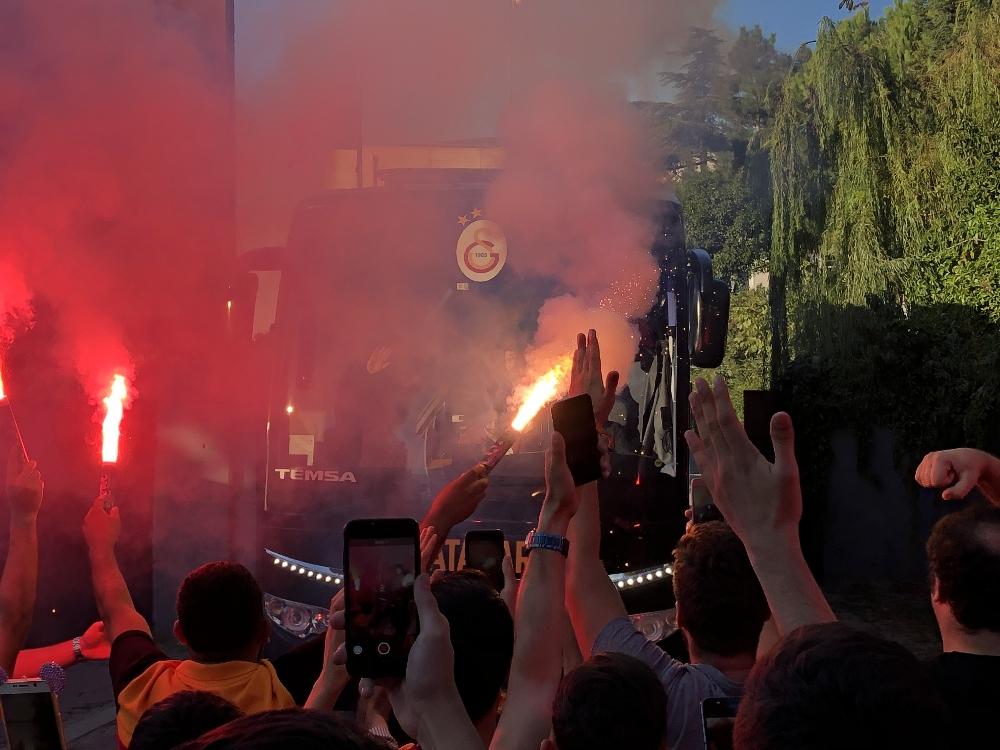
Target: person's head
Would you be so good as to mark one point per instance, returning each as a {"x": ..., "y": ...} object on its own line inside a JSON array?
[
  {"x": 963, "y": 554},
  {"x": 609, "y": 701},
  {"x": 832, "y": 687},
  {"x": 181, "y": 717},
  {"x": 720, "y": 604},
  {"x": 220, "y": 613},
  {"x": 287, "y": 728},
  {"x": 482, "y": 634}
]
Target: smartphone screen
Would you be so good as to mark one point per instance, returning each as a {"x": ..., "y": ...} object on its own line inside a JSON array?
[
  {"x": 573, "y": 418},
  {"x": 703, "y": 508},
  {"x": 381, "y": 562},
  {"x": 718, "y": 716},
  {"x": 31, "y": 716},
  {"x": 484, "y": 551}
]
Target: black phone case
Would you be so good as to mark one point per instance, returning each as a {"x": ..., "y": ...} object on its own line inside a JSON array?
[
  {"x": 495, "y": 576},
  {"x": 573, "y": 418}
]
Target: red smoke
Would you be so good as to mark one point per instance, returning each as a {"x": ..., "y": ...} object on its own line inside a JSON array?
[{"x": 112, "y": 202}]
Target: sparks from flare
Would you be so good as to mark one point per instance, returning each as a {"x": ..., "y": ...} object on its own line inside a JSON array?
[
  {"x": 114, "y": 405},
  {"x": 544, "y": 390}
]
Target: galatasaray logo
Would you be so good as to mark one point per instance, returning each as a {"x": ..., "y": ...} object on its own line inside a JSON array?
[{"x": 482, "y": 248}]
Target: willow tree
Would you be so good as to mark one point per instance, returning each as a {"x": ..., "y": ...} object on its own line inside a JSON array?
[{"x": 885, "y": 166}]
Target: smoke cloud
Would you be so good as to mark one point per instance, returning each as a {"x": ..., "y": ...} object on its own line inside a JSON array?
[
  {"x": 109, "y": 207},
  {"x": 117, "y": 162}
]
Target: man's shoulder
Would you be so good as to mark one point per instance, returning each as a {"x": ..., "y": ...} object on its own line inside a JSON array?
[{"x": 953, "y": 669}]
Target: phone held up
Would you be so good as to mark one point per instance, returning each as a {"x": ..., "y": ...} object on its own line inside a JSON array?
[
  {"x": 573, "y": 418},
  {"x": 31, "y": 715},
  {"x": 703, "y": 508},
  {"x": 484, "y": 551},
  {"x": 381, "y": 562}
]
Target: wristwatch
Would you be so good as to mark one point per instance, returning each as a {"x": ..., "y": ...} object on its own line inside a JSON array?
[
  {"x": 77, "y": 650},
  {"x": 540, "y": 540}
]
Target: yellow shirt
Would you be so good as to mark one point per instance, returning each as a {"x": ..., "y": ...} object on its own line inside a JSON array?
[{"x": 250, "y": 686}]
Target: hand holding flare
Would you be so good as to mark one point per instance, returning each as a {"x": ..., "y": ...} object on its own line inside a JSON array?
[{"x": 114, "y": 405}]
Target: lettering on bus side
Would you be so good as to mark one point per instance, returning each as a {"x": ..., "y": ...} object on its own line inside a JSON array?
[
  {"x": 452, "y": 555},
  {"x": 316, "y": 475}
]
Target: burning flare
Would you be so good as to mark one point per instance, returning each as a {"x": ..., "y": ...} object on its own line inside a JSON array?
[
  {"x": 111, "y": 428},
  {"x": 544, "y": 390},
  {"x": 3, "y": 395}
]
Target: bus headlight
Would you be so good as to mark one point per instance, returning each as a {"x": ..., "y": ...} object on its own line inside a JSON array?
[{"x": 300, "y": 620}]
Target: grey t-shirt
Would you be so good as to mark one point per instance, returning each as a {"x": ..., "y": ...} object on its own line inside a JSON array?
[{"x": 686, "y": 685}]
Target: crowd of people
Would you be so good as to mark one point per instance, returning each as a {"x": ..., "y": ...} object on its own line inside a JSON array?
[{"x": 553, "y": 662}]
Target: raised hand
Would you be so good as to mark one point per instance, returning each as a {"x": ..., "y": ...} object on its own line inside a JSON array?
[
  {"x": 94, "y": 643},
  {"x": 561, "y": 497},
  {"x": 762, "y": 501},
  {"x": 428, "y": 548},
  {"x": 459, "y": 499},
  {"x": 756, "y": 497},
  {"x": 24, "y": 487},
  {"x": 585, "y": 377},
  {"x": 959, "y": 471},
  {"x": 101, "y": 528}
]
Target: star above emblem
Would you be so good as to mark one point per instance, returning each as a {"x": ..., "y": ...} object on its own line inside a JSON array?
[
  {"x": 463, "y": 220},
  {"x": 476, "y": 213}
]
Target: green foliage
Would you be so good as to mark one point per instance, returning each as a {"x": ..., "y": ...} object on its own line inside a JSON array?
[
  {"x": 756, "y": 70},
  {"x": 885, "y": 254},
  {"x": 692, "y": 122},
  {"x": 724, "y": 215},
  {"x": 748, "y": 347}
]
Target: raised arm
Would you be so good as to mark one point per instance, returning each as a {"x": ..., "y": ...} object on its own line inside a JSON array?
[
  {"x": 114, "y": 602},
  {"x": 761, "y": 501},
  {"x": 538, "y": 655},
  {"x": 456, "y": 501},
  {"x": 959, "y": 470},
  {"x": 19, "y": 582},
  {"x": 426, "y": 701},
  {"x": 93, "y": 646},
  {"x": 333, "y": 678},
  {"x": 591, "y": 598}
]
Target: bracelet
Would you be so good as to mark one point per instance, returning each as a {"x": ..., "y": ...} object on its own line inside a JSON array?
[
  {"x": 540, "y": 540},
  {"x": 77, "y": 649}
]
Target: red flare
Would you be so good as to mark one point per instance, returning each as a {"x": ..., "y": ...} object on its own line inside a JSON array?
[{"x": 114, "y": 405}]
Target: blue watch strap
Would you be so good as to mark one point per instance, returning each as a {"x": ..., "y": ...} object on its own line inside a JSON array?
[{"x": 540, "y": 540}]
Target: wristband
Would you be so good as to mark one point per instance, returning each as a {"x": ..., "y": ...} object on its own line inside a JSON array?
[
  {"x": 540, "y": 540},
  {"x": 77, "y": 650}
]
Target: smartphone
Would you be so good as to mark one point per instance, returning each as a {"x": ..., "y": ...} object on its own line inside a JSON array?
[
  {"x": 484, "y": 551},
  {"x": 573, "y": 418},
  {"x": 381, "y": 562},
  {"x": 31, "y": 719},
  {"x": 703, "y": 507},
  {"x": 718, "y": 716}
]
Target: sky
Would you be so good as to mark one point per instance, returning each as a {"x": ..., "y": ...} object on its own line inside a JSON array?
[{"x": 793, "y": 21}]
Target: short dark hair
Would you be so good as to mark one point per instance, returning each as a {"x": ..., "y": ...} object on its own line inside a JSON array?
[
  {"x": 719, "y": 599},
  {"x": 181, "y": 717},
  {"x": 220, "y": 607},
  {"x": 610, "y": 701},
  {"x": 833, "y": 686},
  {"x": 482, "y": 634},
  {"x": 289, "y": 727},
  {"x": 963, "y": 554}
]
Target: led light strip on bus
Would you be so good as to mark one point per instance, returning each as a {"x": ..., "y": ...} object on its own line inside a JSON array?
[
  {"x": 318, "y": 573},
  {"x": 334, "y": 577}
]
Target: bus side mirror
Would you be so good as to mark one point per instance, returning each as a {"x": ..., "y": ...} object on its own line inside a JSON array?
[{"x": 708, "y": 312}]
